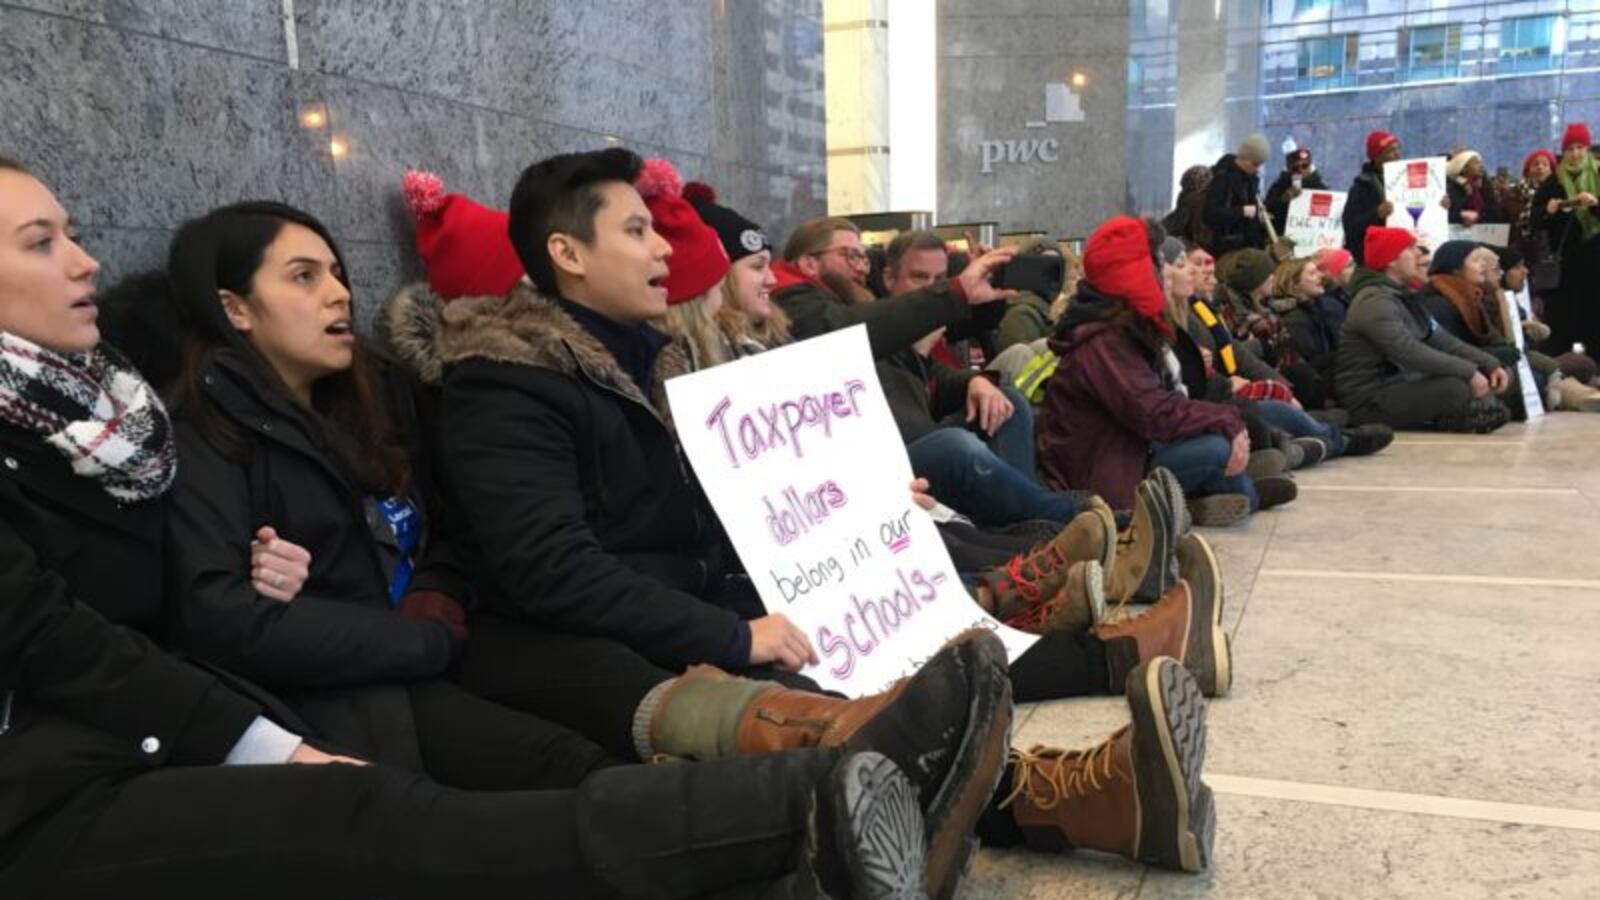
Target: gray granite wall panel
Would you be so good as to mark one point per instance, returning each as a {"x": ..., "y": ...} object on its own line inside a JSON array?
[
  {"x": 142, "y": 114},
  {"x": 994, "y": 64}
]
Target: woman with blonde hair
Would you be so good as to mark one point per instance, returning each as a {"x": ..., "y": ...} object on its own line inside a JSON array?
[{"x": 745, "y": 316}]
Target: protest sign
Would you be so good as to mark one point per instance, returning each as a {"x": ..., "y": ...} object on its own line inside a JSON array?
[
  {"x": 802, "y": 461},
  {"x": 1315, "y": 221},
  {"x": 1511, "y": 318},
  {"x": 1493, "y": 235},
  {"x": 1416, "y": 188}
]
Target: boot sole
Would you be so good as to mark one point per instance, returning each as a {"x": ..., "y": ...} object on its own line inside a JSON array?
[
  {"x": 976, "y": 768},
  {"x": 1207, "y": 654},
  {"x": 1175, "y": 500},
  {"x": 878, "y": 828},
  {"x": 1219, "y": 510},
  {"x": 1177, "y": 820},
  {"x": 1129, "y": 583}
]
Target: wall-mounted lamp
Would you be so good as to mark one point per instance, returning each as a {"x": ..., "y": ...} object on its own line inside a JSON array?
[
  {"x": 339, "y": 148},
  {"x": 1079, "y": 79},
  {"x": 315, "y": 117}
]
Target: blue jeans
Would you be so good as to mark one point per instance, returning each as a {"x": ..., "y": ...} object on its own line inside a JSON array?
[
  {"x": 972, "y": 478},
  {"x": 1284, "y": 416},
  {"x": 1199, "y": 463}
]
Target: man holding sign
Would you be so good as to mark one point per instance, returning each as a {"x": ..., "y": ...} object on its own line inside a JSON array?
[{"x": 583, "y": 523}]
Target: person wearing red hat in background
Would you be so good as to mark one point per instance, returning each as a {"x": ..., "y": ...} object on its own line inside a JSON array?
[
  {"x": 1299, "y": 174},
  {"x": 1314, "y": 322},
  {"x": 698, "y": 266},
  {"x": 1113, "y": 406},
  {"x": 1518, "y": 202},
  {"x": 1564, "y": 209},
  {"x": 1473, "y": 198},
  {"x": 1396, "y": 366},
  {"x": 1367, "y": 204}
]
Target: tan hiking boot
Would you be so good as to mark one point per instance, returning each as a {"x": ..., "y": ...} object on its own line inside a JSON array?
[
  {"x": 1142, "y": 569},
  {"x": 1138, "y": 794},
  {"x": 1183, "y": 625},
  {"x": 1074, "y": 607},
  {"x": 1092, "y": 534}
]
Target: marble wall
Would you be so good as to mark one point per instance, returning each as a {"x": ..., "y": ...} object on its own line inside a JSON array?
[
  {"x": 995, "y": 61},
  {"x": 142, "y": 113}
]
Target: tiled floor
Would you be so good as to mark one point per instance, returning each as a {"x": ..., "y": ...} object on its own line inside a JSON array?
[{"x": 1431, "y": 647}]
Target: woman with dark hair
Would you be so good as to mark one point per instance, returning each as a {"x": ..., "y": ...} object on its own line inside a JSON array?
[
  {"x": 1116, "y": 403},
  {"x": 126, "y": 771}
]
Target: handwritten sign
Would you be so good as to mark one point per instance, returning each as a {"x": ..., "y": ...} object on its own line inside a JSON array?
[
  {"x": 1416, "y": 188},
  {"x": 1315, "y": 221},
  {"x": 802, "y": 461}
]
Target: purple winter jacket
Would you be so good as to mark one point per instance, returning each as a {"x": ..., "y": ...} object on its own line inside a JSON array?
[{"x": 1107, "y": 402}]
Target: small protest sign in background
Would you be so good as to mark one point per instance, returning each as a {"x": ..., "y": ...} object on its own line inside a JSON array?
[
  {"x": 1315, "y": 221},
  {"x": 802, "y": 461},
  {"x": 1416, "y": 189}
]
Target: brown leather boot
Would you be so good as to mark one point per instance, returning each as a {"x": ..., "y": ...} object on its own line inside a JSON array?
[
  {"x": 1143, "y": 569},
  {"x": 1185, "y": 626},
  {"x": 1138, "y": 794},
  {"x": 946, "y": 727},
  {"x": 1092, "y": 534}
]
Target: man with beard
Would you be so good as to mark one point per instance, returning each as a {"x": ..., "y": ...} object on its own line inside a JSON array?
[{"x": 824, "y": 266}]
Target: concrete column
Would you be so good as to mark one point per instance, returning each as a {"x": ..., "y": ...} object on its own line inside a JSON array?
[
  {"x": 856, "y": 53},
  {"x": 1200, "y": 127}
]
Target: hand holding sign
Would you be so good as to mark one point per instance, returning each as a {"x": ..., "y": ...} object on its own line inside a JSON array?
[{"x": 803, "y": 463}]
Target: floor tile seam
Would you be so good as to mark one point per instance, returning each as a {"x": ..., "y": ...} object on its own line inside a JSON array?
[
  {"x": 1255, "y": 576},
  {"x": 1437, "y": 489},
  {"x": 1436, "y": 805},
  {"x": 1581, "y": 584}
]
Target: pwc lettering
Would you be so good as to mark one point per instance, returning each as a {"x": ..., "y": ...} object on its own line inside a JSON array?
[{"x": 1021, "y": 150}]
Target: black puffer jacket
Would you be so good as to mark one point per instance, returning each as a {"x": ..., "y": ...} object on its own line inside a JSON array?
[
  {"x": 87, "y": 698},
  {"x": 580, "y": 514},
  {"x": 1361, "y": 209},
  {"x": 340, "y": 630},
  {"x": 1231, "y": 189}
]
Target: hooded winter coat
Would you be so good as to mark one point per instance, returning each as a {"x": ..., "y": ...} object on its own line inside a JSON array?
[
  {"x": 1389, "y": 337},
  {"x": 1027, "y": 319},
  {"x": 1110, "y": 397},
  {"x": 1232, "y": 189},
  {"x": 580, "y": 515}
]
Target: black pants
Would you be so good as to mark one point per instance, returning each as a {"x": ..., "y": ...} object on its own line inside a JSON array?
[
  {"x": 472, "y": 744},
  {"x": 1309, "y": 387},
  {"x": 729, "y": 827},
  {"x": 1414, "y": 404},
  {"x": 588, "y": 684}
]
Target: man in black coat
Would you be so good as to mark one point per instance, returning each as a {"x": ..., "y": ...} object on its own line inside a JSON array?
[
  {"x": 1367, "y": 204},
  {"x": 1233, "y": 199},
  {"x": 1299, "y": 174}
]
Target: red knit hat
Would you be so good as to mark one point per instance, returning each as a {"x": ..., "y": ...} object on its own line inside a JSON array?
[
  {"x": 698, "y": 261},
  {"x": 1549, "y": 158},
  {"x": 1377, "y": 141},
  {"x": 465, "y": 246},
  {"x": 1117, "y": 262},
  {"x": 1576, "y": 133},
  {"x": 1384, "y": 246},
  {"x": 1331, "y": 261}
]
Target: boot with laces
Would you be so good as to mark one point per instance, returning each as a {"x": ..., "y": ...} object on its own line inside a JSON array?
[
  {"x": 1138, "y": 794},
  {"x": 1078, "y": 602},
  {"x": 1142, "y": 569},
  {"x": 946, "y": 727}
]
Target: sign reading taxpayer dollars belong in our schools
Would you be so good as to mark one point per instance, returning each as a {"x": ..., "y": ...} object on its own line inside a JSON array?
[{"x": 802, "y": 461}]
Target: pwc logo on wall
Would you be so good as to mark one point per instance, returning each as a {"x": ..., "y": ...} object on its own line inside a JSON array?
[{"x": 1061, "y": 104}]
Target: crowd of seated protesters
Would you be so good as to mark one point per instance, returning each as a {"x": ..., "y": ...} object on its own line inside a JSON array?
[{"x": 298, "y": 610}]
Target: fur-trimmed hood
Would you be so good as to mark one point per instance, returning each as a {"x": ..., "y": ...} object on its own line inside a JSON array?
[{"x": 524, "y": 327}]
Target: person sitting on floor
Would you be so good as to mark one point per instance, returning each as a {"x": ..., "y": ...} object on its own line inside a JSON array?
[
  {"x": 1396, "y": 366},
  {"x": 1114, "y": 404}
]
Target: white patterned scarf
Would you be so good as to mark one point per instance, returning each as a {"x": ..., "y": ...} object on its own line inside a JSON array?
[{"x": 96, "y": 409}]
